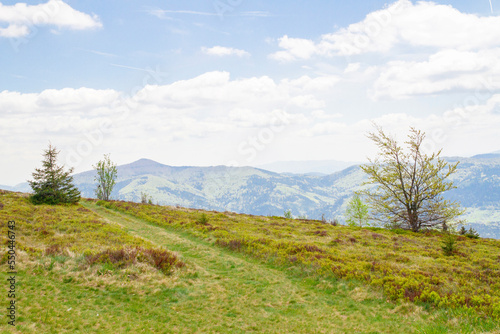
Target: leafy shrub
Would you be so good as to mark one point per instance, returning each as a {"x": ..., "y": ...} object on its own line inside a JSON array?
[
  {"x": 288, "y": 214},
  {"x": 321, "y": 233},
  {"x": 146, "y": 199},
  {"x": 162, "y": 259},
  {"x": 53, "y": 250},
  {"x": 449, "y": 244},
  {"x": 203, "y": 219},
  {"x": 231, "y": 244},
  {"x": 472, "y": 233}
]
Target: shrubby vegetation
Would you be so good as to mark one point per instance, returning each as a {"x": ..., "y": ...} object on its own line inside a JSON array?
[
  {"x": 146, "y": 198},
  {"x": 471, "y": 233},
  {"x": 122, "y": 257},
  {"x": 288, "y": 214},
  {"x": 407, "y": 265},
  {"x": 74, "y": 232}
]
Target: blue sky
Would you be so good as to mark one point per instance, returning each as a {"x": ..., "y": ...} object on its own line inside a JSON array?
[{"x": 241, "y": 82}]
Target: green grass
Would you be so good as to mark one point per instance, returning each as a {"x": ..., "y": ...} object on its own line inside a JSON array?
[
  {"x": 408, "y": 266},
  {"x": 221, "y": 289}
]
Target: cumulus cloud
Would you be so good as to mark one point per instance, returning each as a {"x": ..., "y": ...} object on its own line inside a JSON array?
[
  {"x": 54, "y": 100},
  {"x": 352, "y": 67},
  {"x": 424, "y": 24},
  {"x": 444, "y": 71},
  {"x": 295, "y": 48},
  {"x": 459, "y": 130},
  {"x": 213, "y": 114},
  {"x": 211, "y": 104},
  {"x": 21, "y": 18},
  {"x": 224, "y": 51}
]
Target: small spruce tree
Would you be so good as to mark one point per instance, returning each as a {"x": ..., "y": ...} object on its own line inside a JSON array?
[{"x": 51, "y": 184}]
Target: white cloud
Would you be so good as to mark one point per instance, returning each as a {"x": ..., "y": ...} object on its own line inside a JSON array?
[
  {"x": 312, "y": 84},
  {"x": 14, "y": 30},
  {"x": 295, "y": 48},
  {"x": 424, "y": 24},
  {"x": 207, "y": 117},
  {"x": 352, "y": 67},
  {"x": 162, "y": 13},
  {"x": 224, "y": 51},
  {"x": 21, "y": 18},
  {"x": 461, "y": 131},
  {"x": 444, "y": 71},
  {"x": 206, "y": 106}
]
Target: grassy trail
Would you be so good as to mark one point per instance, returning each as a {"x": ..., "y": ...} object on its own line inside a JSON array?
[{"x": 228, "y": 292}]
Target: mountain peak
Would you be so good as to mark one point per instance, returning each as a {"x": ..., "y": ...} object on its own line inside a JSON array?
[{"x": 144, "y": 162}]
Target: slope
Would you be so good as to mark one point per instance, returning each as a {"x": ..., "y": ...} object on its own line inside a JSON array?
[{"x": 218, "y": 290}]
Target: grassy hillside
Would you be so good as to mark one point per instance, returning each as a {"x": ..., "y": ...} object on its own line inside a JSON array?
[
  {"x": 409, "y": 266},
  {"x": 89, "y": 268}
]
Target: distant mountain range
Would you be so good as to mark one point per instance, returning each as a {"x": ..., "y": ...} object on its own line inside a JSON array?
[
  {"x": 262, "y": 192},
  {"x": 312, "y": 167}
]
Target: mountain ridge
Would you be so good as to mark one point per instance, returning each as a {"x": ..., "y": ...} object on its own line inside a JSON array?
[{"x": 257, "y": 191}]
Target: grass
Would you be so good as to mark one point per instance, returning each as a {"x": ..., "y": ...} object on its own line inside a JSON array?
[
  {"x": 222, "y": 288},
  {"x": 408, "y": 266}
]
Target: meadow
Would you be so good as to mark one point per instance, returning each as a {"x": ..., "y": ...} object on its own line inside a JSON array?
[
  {"x": 103, "y": 267},
  {"x": 408, "y": 266}
]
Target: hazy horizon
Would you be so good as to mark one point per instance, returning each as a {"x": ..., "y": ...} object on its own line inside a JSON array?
[
  {"x": 255, "y": 166},
  {"x": 243, "y": 83}
]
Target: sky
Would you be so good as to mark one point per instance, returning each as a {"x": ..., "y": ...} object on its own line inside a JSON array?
[{"x": 240, "y": 82}]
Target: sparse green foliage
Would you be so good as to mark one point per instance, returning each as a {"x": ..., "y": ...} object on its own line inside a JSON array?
[
  {"x": 356, "y": 212},
  {"x": 462, "y": 231},
  {"x": 471, "y": 233},
  {"x": 449, "y": 244},
  {"x": 288, "y": 214},
  {"x": 409, "y": 185},
  {"x": 145, "y": 198},
  {"x": 52, "y": 185},
  {"x": 203, "y": 219},
  {"x": 105, "y": 178}
]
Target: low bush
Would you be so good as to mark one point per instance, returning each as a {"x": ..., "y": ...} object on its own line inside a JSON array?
[{"x": 161, "y": 259}]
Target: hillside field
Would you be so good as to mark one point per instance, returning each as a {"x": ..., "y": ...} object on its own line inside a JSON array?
[{"x": 123, "y": 267}]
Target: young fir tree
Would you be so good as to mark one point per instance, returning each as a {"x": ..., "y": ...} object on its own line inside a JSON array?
[{"x": 51, "y": 184}]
